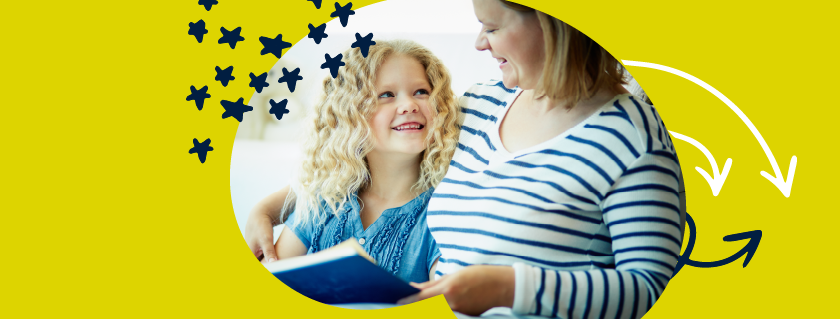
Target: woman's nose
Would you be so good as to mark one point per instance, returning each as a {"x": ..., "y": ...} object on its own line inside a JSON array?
[{"x": 481, "y": 42}]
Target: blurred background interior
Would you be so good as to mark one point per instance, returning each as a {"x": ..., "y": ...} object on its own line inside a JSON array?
[{"x": 266, "y": 150}]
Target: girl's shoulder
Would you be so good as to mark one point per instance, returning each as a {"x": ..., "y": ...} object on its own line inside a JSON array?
[{"x": 416, "y": 208}]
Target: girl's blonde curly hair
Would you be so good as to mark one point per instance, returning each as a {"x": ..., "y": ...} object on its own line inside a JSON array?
[{"x": 339, "y": 137}]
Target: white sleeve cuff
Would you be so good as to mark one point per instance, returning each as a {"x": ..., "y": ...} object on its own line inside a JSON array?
[{"x": 523, "y": 296}]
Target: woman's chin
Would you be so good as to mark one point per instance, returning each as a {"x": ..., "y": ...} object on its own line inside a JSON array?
[{"x": 509, "y": 82}]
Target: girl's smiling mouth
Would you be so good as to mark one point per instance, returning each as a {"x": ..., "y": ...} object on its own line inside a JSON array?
[{"x": 409, "y": 126}]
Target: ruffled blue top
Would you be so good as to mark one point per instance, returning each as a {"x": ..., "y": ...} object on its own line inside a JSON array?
[{"x": 399, "y": 240}]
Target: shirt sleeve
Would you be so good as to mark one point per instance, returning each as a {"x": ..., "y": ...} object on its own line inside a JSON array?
[
  {"x": 433, "y": 252},
  {"x": 304, "y": 233},
  {"x": 642, "y": 214}
]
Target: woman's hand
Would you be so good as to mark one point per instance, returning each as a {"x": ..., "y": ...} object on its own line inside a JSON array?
[
  {"x": 471, "y": 290},
  {"x": 259, "y": 230}
]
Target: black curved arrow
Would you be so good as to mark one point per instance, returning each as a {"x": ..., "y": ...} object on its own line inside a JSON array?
[{"x": 749, "y": 249}]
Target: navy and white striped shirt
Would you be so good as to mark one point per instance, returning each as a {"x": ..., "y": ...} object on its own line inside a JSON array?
[{"x": 588, "y": 219}]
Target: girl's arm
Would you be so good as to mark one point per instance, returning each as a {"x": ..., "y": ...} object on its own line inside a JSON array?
[
  {"x": 259, "y": 230},
  {"x": 289, "y": 245},
  {"x": 432, "y": 270}
]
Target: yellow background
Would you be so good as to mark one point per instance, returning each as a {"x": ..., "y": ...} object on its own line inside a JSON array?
[{"x": 105, "y": 214}]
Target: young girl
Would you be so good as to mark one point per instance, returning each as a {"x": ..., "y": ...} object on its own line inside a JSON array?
[{"x": 378, "y": 143}]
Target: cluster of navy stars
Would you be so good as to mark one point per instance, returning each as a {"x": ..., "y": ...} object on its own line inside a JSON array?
[{"x": 274, "y": 46}]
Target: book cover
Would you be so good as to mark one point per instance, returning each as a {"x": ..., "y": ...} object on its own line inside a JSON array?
[{"x": 339, "y": 275}]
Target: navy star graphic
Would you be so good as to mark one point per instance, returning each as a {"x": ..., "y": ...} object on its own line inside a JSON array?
[
  {"x": 317, "y": 3},
  {"x": 207, "y": 5},
  {"x": 274, "y": 46},
  {"x": 201, "y": 148},
  {"x": 258, "y": 82},
  {"x": 198, "y": 96},
  {"x": 363, "y": 43},
  {"x": 224, "y": 76},
  {"x": 278, "y": 109},
  {"x": 343, "y": 13},
  {"x": 333, "y": 64},
  {"x": 231, "y": 37},
  {"x": 198, "y": 30},
  {"x": 235, "y": 110},
  {"x": 290, "y": 78},
  {"x": 317, "y": 33}
]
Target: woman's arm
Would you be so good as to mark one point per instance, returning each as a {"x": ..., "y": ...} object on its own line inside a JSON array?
[
  {"x": 642, "y": 213},
  {"x": 471, "y": 290},
  {"x": 259, "y": 229}
]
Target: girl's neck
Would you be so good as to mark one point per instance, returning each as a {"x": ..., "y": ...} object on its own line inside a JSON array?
[{"x": 391, "y": 177}]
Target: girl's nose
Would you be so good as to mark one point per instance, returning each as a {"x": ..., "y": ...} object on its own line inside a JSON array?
[{"x": 407, "y": 107}]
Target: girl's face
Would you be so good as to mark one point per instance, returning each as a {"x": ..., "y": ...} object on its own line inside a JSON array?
[
  {"x": 515, "y": 39},
  {"x": 403, "y": 113}
]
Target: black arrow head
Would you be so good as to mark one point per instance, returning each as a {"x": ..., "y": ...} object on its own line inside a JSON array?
[{"x": 751, "y": 247}]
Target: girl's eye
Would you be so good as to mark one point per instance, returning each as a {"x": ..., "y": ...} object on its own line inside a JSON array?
[
  {"x": 421, "y": 91},
  {"x": 490, "y": 30},
  {"x": 386, "y": 95}
]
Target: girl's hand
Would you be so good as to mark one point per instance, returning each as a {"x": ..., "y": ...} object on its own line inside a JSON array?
[
  {"x": 259, "y": 230},
  {"x": 472, "y": 290},
  {"x": 259, "y": 234}
]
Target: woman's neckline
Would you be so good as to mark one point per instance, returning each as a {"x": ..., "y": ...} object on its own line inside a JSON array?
[{"x": 502, "y": 113}]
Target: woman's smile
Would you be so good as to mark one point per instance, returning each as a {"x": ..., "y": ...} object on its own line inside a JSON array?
[
  {"x": 502, "y": 62},
  {"x": 514, "y": 40}
]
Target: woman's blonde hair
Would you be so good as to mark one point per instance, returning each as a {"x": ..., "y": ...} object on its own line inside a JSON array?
[
  {"x": 576, "y": 67},
  {"x": 339, "y": 137}
]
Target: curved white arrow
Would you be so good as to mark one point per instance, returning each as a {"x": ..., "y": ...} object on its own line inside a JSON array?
[
  {"x": 720, "y": 176},
  {"x": 778, "y": 180}
]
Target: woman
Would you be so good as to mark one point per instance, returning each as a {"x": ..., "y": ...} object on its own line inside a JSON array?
[{"x": 562, "y": 199}]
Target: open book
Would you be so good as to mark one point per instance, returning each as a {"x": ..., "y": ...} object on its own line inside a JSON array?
[{"x": 342, "y": 274}]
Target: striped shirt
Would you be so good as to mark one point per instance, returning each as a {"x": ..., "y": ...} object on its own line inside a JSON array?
[{"x": 588, "y": 219}]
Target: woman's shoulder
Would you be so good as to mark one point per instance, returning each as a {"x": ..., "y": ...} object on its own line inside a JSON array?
[
  {"x": 493, "y": 86},
  {"x": 637, "y": 122},
  {"x": 482, "y": 101},
  {"x": 487, "y": 95}
]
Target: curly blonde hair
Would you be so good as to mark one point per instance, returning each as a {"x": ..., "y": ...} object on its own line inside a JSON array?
[{"x": 339, "y": 137}]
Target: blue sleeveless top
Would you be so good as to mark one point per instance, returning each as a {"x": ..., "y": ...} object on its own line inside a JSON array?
[{"x": 399, "y": 240}]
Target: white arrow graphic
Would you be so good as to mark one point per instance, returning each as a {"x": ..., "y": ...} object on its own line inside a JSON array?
[
  {"x": 778, "y": 180},
  {"x": 720, "y": 176}
]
